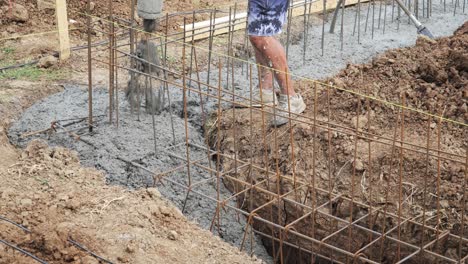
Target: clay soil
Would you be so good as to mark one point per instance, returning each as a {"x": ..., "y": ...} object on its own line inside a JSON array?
[
  {"x": 40, "y": 20},
  {"x": 48, "y": 192},
  {"x": 432, "y": 77}
]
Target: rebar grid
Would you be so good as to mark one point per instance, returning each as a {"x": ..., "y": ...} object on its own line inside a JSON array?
[{"x": 326, "y": 224}]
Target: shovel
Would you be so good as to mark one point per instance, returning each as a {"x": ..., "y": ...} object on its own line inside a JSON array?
[{"x": 423, "y": 30}]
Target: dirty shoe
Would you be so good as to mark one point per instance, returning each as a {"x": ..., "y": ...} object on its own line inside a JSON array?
[
  {"x": 265, "y": 97},
  {"x": 296, "y": 105}
]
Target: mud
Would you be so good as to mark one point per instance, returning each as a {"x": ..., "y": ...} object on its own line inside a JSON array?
[{"x": 133, "y": 139}]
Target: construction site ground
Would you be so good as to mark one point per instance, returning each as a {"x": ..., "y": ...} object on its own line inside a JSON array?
[
  {"x": 47, "y": 190},
  {"x": 432, "y": 76}
]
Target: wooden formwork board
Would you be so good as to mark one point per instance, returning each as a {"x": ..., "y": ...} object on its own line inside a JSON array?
[{"x": 201, "y": 30}]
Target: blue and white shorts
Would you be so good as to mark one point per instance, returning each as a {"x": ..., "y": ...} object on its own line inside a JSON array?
[{"x": 266, "y": 17}]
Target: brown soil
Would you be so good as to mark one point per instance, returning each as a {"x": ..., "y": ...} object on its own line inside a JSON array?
[
  {"x": 44, "y": 20},
  {"x": 48, "y": 191},
  {"x": 432, "y": 77}
]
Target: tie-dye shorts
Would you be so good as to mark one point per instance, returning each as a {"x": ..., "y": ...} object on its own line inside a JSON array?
[{"x": 266, "y": 17}]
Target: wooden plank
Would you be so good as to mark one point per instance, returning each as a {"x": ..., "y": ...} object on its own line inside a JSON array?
[
  {"x": 221, "y": 25},
  {"x": 62, "y": 26}
]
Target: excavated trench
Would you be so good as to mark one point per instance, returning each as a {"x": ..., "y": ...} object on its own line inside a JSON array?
[
  {"x": 107, "y": 146},
  {"x": 431, "y": 75}
]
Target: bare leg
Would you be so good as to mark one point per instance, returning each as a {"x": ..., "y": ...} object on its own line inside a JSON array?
[
  {"x": 264, "y": 70},
  {"x": 269, "y": 49}
]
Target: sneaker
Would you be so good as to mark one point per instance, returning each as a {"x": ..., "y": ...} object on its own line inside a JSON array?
[
  {"x": 296, "y": 105},
  {"x": 268, "y": 96}
]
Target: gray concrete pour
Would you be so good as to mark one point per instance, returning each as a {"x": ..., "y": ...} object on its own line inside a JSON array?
[{"x": 134, "y": 140}]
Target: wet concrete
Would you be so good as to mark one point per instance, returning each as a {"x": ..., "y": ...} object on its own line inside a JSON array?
[{"x": 134, "y": 139}]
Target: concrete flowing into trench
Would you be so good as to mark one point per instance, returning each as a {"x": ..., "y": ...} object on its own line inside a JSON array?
[{"x": 133, "y": 140}]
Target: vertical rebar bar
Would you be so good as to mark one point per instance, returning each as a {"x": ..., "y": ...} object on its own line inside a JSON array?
[
  {"x": 385, "y": 19},
  {"x": 353, "y": 176},
  {"x": 202, "y": 107},
  {"x": 229, "y": 42},
  {"x": 438, "y": 190},
  {"x": 314, "y": 158},
  {"x": 166, "y": 84},
  {"x": 132, "y": 51},
  {"x": 192, "y": 47},
  {"x": 149, "y": 86},
  {"x": 304, "y": 47},
  {"x": 90, "y": 70},
  {"x": 400, "y": 178},
  {"x": 111, "y": 61},
  {"x": 426, "y": 174},
  {"x": 187, "y": 146},
  {"x": 463, "y": 212},
  {"x": 210, "y": 49},
  {"x": 369, "y": 158},
  {"x": 342, "y": 23},
  {"x": 323, "y": 25},
  {"x": 392, "y": 157},
  {"x": 116, "y": 87},
  {"x": 373, "y": 18},
  {"x": 218, "y": 145},
  {"x": 288, "y": 32}
]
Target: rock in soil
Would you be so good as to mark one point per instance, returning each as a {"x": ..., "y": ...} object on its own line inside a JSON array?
[
  {"x": 19, "y": 13},
  {"x": 47, "y": 62}
]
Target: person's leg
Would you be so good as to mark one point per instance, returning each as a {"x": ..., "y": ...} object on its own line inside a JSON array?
[
  {"x": 269, "y": 49},
  {"x": 264, "y": 72}
]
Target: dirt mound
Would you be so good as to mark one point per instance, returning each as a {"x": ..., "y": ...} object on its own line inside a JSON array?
[
  {"x": 309, "y": 165},
  {"x": 433, "y": 75},
  {"x": 60, "y": 202}
]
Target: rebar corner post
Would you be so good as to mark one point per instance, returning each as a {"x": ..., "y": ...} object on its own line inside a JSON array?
[{"x": 90, "y": 70}]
